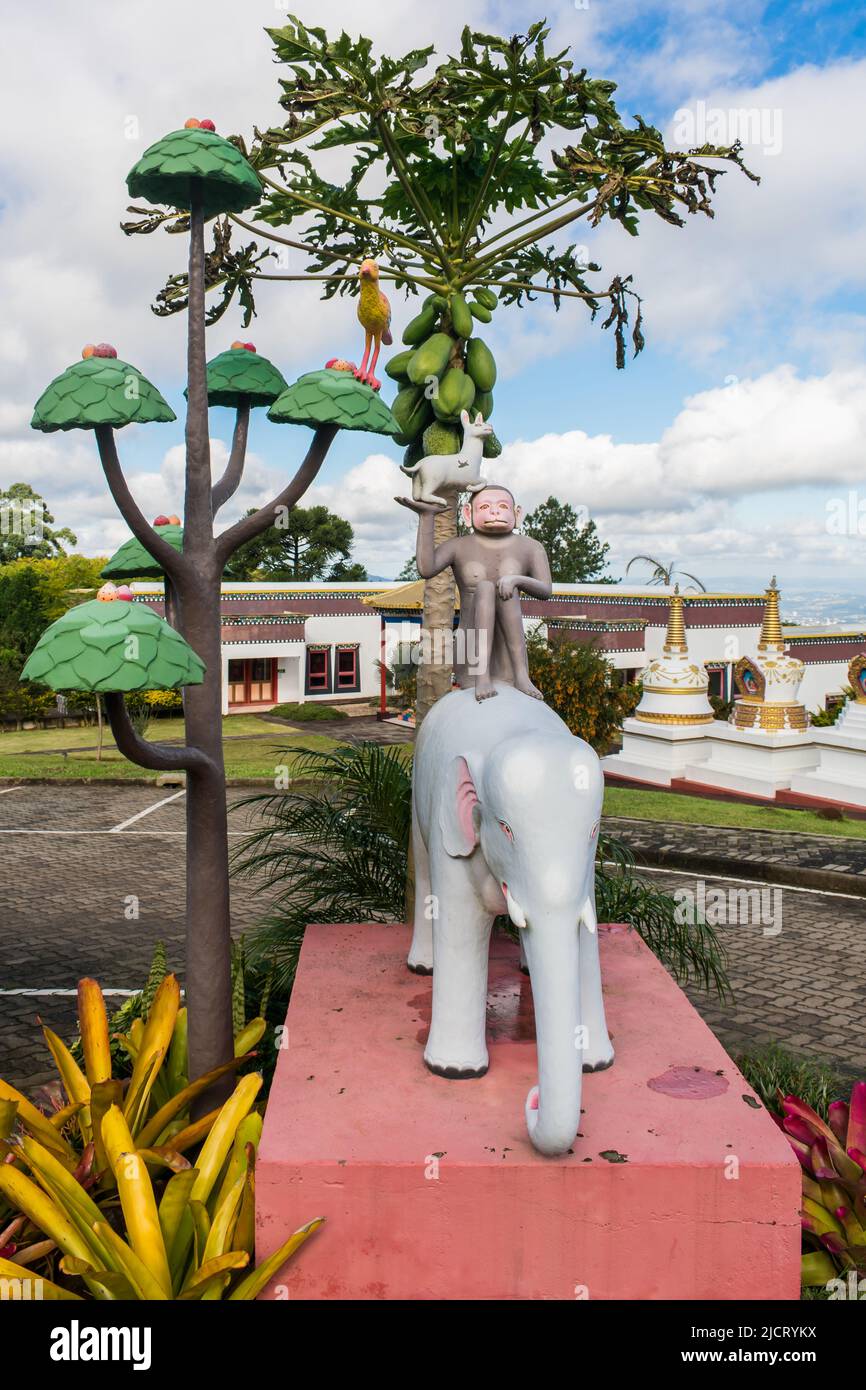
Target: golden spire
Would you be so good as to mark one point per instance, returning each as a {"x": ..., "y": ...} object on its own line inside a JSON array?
[
  {"x": 676, "y": 638},
  {"x": 771, "y": 628}
]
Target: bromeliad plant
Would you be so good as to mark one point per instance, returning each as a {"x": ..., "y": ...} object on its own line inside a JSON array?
[
  {"x": 833, "y": 1159},
  {"x": 104, "y": 1192}
]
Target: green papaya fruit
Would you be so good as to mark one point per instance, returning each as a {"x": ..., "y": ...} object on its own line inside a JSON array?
[
  {"x": 492, "y": 448},
  {"x": 397, "y": 365},
  {"x": 439, "y": 438},
  {"x": 456, "y": 392},
  {"x": 484, "y": 403},
  {"x": 486, "y": 297},
  {"x": 460, "y": 316},
  {"x": 430, "y": 358},
  {"x": 411, "y": 410},
  {"x": 480, "y": 364},
  {"x": 479, "y": 312},
  {"x": 436, "y": 301},
  {"x": 420, "y": 327}
]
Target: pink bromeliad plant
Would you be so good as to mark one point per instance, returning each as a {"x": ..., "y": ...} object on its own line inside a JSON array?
[{"x": 833, "y": 1158}]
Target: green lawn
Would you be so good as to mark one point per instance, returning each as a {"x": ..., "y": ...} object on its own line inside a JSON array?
[
  {"x": 251, "y": 750},
  {"x": 697, "y": 810}
]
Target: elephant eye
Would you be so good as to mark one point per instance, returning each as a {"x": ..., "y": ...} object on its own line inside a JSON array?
[{"x": 506, "y": 829}]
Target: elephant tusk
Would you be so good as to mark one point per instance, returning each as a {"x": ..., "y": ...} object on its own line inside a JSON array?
[
  {"x": 515, "y": 911},
  {"x": 587, "y": 915}
]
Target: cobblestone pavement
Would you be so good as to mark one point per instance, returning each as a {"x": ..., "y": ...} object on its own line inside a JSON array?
[
  {"x": 70, "y": 872},
  {"x": 752, "y": 851},
  {"x": 803, "y": 986}
]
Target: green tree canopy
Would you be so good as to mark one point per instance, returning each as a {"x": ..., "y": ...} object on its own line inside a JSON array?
[
  {"x": 308, "y": 543},
  {"x": 23, "y": 616},
  {"x": 27, "y": 526},
  {"x": 576, "y": 553}
]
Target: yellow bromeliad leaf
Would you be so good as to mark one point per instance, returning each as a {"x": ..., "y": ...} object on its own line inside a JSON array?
[
  {"x": 136, "y": 1198},
  {"x": 135, "y": 1270},
  {"x": 155, "y": 1041},
  {"x": 39, "y": 1125},
  {"x": 30, "y": 1285},
  {"x": 251, "y": 1286},
  {"x": 211, "y": 1279},
  {"x": 249, "y": 1036},
  {"x": 93, "y": 1022},
  {"x": 23, "y": 1194},
  {"x": 68, "y": 1194},
  {"x": 173, "y": 1205},
  {"x": 152, "y": 1131},
  {"x": 75, "y": 1083},
  {"x": 221, "y": 1137},
  {"x": 248, "y": 1135}
]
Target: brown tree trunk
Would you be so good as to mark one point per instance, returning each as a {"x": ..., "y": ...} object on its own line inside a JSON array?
[
  {"x": 434, "y": 673},
  {"x": 208, "y": 919}
]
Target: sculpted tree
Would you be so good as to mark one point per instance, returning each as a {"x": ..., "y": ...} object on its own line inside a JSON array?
[
  {"x": 119, "y": 645},
  {"x": 453, "y": 184}
]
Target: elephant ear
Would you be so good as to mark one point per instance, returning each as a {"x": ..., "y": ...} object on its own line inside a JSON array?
[{"x": 456, "y": 819}]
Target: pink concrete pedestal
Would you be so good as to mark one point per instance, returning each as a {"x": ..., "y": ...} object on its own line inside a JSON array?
[{"x": 677, "y": 1188}]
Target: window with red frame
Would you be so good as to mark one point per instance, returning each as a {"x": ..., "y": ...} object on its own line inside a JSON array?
[
  {"x": 318, "y": 671},
  {"x": 348, "y": 672}
]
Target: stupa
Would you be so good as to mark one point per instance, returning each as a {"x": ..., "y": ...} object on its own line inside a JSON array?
[
  {"x": 667, "y": 731},
  {"x": 768, "y": 684},
  {"x": 841, "y": 771},
  {"x": 767, "y": 741}
]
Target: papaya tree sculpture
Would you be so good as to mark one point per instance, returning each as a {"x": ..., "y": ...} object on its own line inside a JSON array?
[
  {"x": 455, "y": 184},
  {"x": 198, "y": 173}
]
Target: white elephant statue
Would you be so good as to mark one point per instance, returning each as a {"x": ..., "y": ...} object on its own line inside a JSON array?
[{"x": 506, "y": 805}]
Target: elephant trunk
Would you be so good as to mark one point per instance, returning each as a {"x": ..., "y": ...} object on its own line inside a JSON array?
[{"x": 553, "y": 1106}]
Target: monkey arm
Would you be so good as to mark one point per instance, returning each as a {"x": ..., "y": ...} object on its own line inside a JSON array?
[
  {"x": 429, "y": 557},
  {"x": 537, "y": 583}
]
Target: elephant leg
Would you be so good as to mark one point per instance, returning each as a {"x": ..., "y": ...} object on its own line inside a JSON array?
[
  {"x": 524, "y": 964},
  {"x": 421, "y": 951},
  {"x": 456, "y": 1046},
  {"x": 598, "y": 1052}
]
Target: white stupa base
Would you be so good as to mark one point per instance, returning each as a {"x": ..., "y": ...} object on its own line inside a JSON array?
[
  {"x": 841, "y": 771},
  {"x": 852, "y": 722},
  {"x": 758, "y": 764},
  {"x": 657, "y": 753}
]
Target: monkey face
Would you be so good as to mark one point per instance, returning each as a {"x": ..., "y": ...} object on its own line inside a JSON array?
[{"x": 493, "y": 511}]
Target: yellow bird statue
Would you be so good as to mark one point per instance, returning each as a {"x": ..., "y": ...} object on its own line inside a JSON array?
[{"x": 374, "y": 316}]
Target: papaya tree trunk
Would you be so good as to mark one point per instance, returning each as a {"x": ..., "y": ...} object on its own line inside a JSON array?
[{"x": 434, "y": 672}]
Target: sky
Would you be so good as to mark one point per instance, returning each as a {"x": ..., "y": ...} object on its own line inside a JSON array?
[{"x": 734, "y": 444}]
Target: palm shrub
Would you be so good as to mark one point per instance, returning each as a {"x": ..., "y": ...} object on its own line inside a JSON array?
[
  {"x": 120, "y": 1192},
  {"x": 335, "y": 849}
]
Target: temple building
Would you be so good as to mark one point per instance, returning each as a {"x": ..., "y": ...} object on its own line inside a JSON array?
[{"x": 324, "y": 641}]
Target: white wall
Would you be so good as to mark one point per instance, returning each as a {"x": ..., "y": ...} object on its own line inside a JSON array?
[{"x": 340, "y": 629}]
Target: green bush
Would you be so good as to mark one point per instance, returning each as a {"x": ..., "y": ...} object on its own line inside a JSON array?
[
  {"x": 306, "y": 713},
  {"x": 772, "y": 1070},
  {"x": 578, "y": 682}
]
